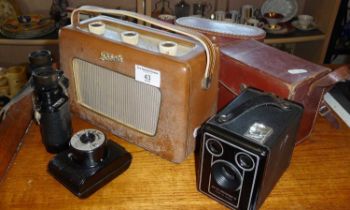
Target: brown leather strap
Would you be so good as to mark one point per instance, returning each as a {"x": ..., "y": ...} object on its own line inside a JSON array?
[
  {"x": 340, "y": 74},
  {"x": 203, "y": 40},
  {"x": 327, "y": 113}
]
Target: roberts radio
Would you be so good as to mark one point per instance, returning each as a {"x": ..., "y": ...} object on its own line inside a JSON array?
[{"x": 149, "y": 86}]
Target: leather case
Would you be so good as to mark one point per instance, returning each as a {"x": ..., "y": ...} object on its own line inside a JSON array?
[
  {"x": 106, "y": 90},
  {"x": 246, "y": 62},
  {"x": 254, "y": 64}
]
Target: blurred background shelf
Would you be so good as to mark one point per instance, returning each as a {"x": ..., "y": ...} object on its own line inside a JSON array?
[
  {"x": 295, "y": 37},
  {"x": 311, "y": 45},
  {"x": 51, "y": 39},
  {"x": 28, "y": 41}
]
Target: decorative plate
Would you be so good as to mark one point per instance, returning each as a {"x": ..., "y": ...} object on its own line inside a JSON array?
[
  {"x": 25, "y": 27},
  {"x": 288, "y": 8}
]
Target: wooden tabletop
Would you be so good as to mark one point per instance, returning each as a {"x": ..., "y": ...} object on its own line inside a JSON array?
[{"x": 318, "y": 178}]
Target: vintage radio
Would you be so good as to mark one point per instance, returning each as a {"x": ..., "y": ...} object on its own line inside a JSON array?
[
  {"x": 246, "y": 148},
  {"x": 131, "y": 88}
]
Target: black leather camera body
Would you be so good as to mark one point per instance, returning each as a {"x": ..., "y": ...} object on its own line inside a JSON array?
[
  {"x": 90, "y": 162},
  {"x": 245, "y": 149}
]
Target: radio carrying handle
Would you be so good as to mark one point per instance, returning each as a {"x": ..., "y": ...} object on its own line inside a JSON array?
[{"x": 203, "y": 40}]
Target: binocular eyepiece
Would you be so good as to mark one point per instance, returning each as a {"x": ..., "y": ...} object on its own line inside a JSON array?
[{"x": 45, "y": 78}]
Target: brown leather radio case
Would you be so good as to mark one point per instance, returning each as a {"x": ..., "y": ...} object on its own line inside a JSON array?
[
  {"x": 254, "y": 64},
  {"x": 153, "y": 100}
]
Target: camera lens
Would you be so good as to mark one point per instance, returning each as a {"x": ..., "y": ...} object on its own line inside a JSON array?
[
  {"x": 45, "y": 77},
  {"x": 226, "y": 175}
]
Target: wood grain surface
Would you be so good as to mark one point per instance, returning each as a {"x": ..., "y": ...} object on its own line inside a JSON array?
[
  {"x": 12, "y": 130},
  {"x": 318, "y": 178}
]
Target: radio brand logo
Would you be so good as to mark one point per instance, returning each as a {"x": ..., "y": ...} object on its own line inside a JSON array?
[{"x": 106, "y": 56}]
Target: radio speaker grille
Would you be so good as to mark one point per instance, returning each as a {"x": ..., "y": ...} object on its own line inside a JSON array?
[{"x": 117, "y": 96}]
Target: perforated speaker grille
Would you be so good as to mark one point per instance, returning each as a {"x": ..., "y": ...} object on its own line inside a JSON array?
[{"x": 117, "y": 96}]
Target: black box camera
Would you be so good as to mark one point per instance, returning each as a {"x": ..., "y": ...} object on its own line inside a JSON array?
[{"x": 245, "y": 149}]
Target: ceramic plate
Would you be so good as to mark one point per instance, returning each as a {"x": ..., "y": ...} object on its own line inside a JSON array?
[
  {"x": 36, "y": 27},
  {"x": 296, "y": 24},
  {"x": 288, "y": 8}
]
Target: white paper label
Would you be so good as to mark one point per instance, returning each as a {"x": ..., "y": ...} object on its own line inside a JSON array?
[
  {"x": 147, "y": 75},
  {"x": 297, "y": 71}
]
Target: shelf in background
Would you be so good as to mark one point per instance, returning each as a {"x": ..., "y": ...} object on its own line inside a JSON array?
[
  {"x": 295, "y": 37},
  {"x": 51, "y": 39},
  {"x": 28, "y": 41},
  {"x": 270, "y": 39}
]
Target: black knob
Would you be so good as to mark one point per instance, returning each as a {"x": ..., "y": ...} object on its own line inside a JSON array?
[
  {"x": 224, "y": 118},
  {"x": 88, "y": 147}
]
